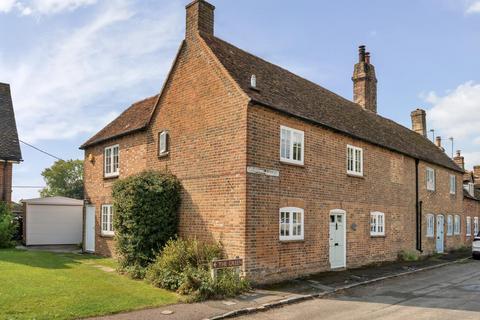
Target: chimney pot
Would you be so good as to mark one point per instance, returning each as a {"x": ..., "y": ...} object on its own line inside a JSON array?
[
  {"x": 438, "y": 141},
  {"x": 367, "y": 57},
  {"x": 361, "y": 53}
]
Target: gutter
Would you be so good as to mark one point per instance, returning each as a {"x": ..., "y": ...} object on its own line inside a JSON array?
[{"x": 418, "y": 211}]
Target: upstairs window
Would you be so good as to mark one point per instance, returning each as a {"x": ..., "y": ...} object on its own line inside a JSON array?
[
  {"x": 470, "y": 187},
  {"x": 430, "y": 179},
  {"x": 430, "y": 225},
  {"x": 107, "y": 220},
  {"x": 453, "y": 184},
  {"x": 449, "y": 225},
  {"x": 163, "y": 143},
  {"x": 377, "y": 224},
  {"x": 291, "y": 145},
  {"x": 291, "y": 223},
  {"x": 111, "y": 161},
  {"x": 468, "y": 233},
  {"x": 354, "y": 161},
  {"x": 456, "y": 225}
]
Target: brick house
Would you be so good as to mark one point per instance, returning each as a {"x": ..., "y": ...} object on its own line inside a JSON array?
[
  {"x": 471, "y": 202},
  {"x": 10, "y": 152},
  {"x": 289, "y": 176}
]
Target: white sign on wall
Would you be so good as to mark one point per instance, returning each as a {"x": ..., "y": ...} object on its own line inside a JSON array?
[{"x": 267, "y": 172}]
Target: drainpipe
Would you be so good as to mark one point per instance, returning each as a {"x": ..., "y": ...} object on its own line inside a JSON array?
[{"x": 418, "y": 211}]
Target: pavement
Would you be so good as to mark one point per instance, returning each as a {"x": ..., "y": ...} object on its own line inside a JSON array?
[
  {"x": 449, "y": 292},
  {"x": 291, "y": 291}
]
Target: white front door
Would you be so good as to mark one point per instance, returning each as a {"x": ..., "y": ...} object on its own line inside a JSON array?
[
  {"x": 337, "y": 239},
  {"x": 440, "y": 233},
  {"x": 90, "y": 229}
]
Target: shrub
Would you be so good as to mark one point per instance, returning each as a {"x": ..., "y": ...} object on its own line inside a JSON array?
[
  {"x": 8, "y": 226},
  {"x": 145, "y": 217},
  {"x": 184, "y": 266},
  {"x": 407, "y": 255}
]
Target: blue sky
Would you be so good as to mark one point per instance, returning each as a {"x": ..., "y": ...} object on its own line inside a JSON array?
[{"x": 74, "y": 65}]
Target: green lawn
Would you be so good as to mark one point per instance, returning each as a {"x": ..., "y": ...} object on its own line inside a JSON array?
[{"x": 43, "y": 285}]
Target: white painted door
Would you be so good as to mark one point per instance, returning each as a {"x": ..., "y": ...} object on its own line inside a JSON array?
[
  {"x": 440, "y": 233},
  {"x": 337, "y": 239},
  {"x": 90, "y": 229}
]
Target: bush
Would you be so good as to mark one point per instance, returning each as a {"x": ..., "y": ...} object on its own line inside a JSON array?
[
  {"x": 145, "y": 217},
  {"x": 184, "y": 266},
  {"x": 406, "y": 255},
  {"x": 8, "y": 226}
]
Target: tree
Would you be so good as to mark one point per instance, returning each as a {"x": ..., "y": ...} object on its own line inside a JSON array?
[{"x": 64, "y": 178}]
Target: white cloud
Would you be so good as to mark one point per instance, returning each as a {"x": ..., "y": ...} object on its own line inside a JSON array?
[
  {"x": 7, "y": 5},
  {"x": 69, "y": 84},
  {"x": 43, "y": 7},
  {"x": 473, "y": 7}
]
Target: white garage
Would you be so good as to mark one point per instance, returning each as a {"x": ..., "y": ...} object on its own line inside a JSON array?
[{"x": 53, "y": 221}]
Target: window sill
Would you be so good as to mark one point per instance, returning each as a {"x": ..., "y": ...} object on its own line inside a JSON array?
[
  {"x": 107, "y": 235},
  {"x": 355, "y": 175},
  {"x": 292, "y": 240},
  {"x": 164, "y": 154},
  {"x": 111, "y": 177},
  {"x": 377, "y": 236},
  {"x": 301, "y": 165}
]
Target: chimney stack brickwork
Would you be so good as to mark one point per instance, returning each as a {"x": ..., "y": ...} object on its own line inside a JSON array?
[
  {"x": 200, "y": 18},
  {"x": 365, "y": 82},
  {"x": 419, "y": 122},
  {"x": 459, "y": 160}
]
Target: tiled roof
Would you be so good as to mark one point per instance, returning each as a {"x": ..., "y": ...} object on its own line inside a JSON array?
[
  {"x": 135, "y": 118},
  {"x": 286, "y": 92},
  {"x": 9, "y": 144}
]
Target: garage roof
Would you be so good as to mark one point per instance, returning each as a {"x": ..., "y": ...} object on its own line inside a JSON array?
[{"x": 59, "y": 201}]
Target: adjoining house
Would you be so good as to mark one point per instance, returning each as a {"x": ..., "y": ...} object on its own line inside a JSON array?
[
  {"x": 52, "y": 221},
  {"x": 10, "y": 152},
  {"x": 287, "y": 175},
  {"x": 471, "y": 202}
]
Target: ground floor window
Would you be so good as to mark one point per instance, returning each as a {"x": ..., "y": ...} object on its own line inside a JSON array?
[
  {"x": 449, "y": 225},
  {"x": 456, "y": 225},
  {"x": 107, "y": 219},
  {"x": 377, "y": 224},
  {"x": 468, "y": 224},
  {"x": 475, "y": 226},
  {"x": 430, "y": 225},
  {"x": 291, "y": 223}
]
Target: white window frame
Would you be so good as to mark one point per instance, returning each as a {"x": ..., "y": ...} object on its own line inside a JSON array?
[
  {"x": 106, "y": 223},
  {"x": 430, "y": 179},
  {"x": 449, "y": 225},
  {"x": 110, "y": 168},
  {"x": 377, "y": 223},
  {"x": 290, "y": 226},
  {"x": 163, "y": 143},
  {"x": 430, "y": 225},
  {"x": 475, "y": 226},
  {"x": 471, "y": 189},
  {"x": 456, "y": 225},
  {"x": 468, "y": 226},
  {"x": 353, "y": 160},
  {"x": 288, "y": 144},
  {"x": 453, "y": 184}
]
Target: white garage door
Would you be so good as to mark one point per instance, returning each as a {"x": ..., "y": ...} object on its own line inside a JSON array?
[{"x": 53, "y": 224}]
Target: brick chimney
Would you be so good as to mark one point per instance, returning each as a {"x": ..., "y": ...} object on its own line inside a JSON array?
[
  {"x": 365, "y": 82},
  {"x": 438, "y": 142},
  {"x": 476, "y": 174},
  {"x": 459, "y": 160},
  {"x": 419, "y": 121},
  {"x": 200, "y": 18}
]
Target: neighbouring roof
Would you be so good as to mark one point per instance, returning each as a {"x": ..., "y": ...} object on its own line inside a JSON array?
[
  {"x": 55, "y": 201},
  {"x": 9, "y": 143},
  {"x": 135, "y": 118},
  {"x": 286, "y": 92}
]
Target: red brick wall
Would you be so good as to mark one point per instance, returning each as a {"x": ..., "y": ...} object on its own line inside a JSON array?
[
  {"x": 471, "y": 208},
  {"x": 321, "y": 185},
  {"x": 98, "y": 190},
  {"x": 205, "y": 115},
  {"x": 6, "y": 181}
]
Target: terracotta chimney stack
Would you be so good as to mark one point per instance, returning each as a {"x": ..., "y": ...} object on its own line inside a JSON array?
[
  {"x": 365, "y": 82},
  {"x": 200, "y": 18}
]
